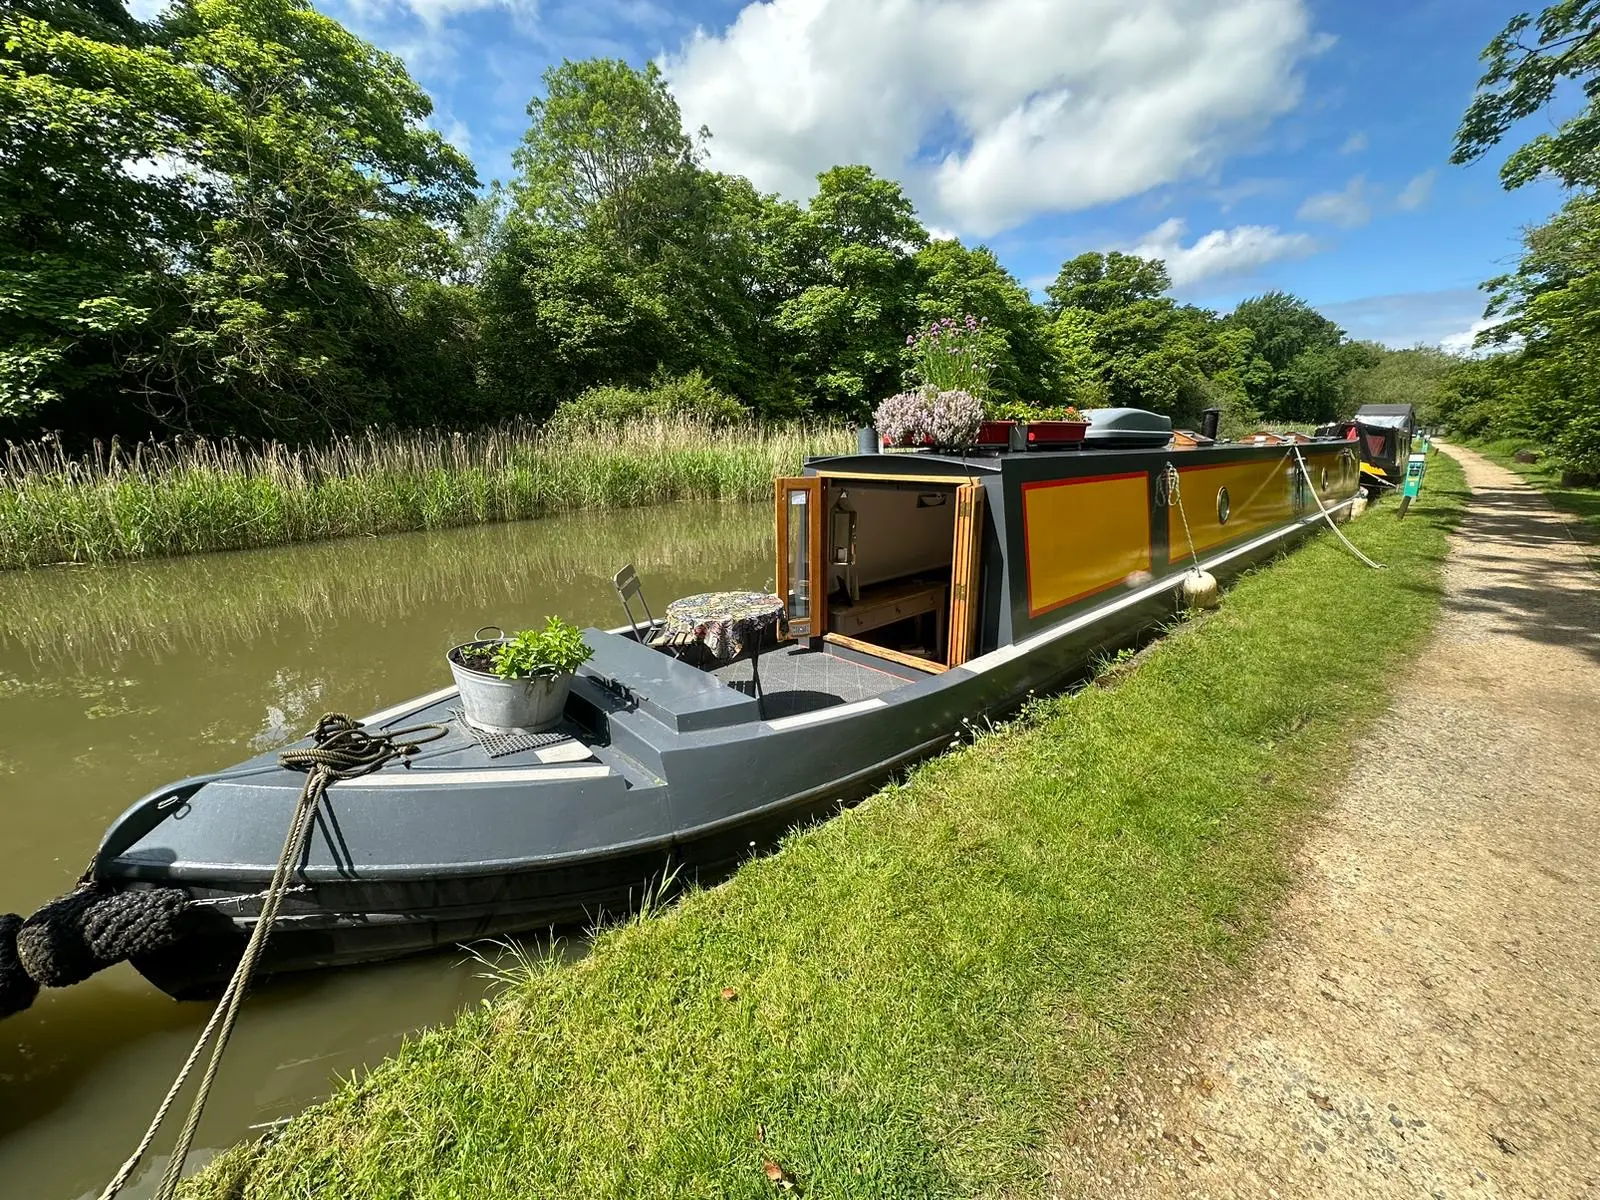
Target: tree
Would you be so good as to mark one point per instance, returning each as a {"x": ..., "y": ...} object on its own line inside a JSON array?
[
  {"x": 1521, "y": 78},
  {"x": 1306, "y": 358},
  {"x": 1099, "y": 282},
  {"x": 845, "y": 328},
  {"x": 605, "y": 152},
  {"x": 205, "y": 218}
]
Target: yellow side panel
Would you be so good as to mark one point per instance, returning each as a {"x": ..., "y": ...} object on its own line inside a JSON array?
[
  {"x": 1260, "y": 496},
  {"x": 1083, "y": 536}
]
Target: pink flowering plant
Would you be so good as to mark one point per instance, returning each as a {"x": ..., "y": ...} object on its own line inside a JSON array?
[
  {"x": 928, "y": 416},
  {"x": 950, "y": 357}
]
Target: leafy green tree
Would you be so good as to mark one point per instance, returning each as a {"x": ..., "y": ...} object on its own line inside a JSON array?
[
  {"x": 846, "y": 325},
  {"x": 605, "y": 153},
  {"x": 1551, "y": 306},
  {"x": 203, "y": 219},
  {"x": 1122, "y": 341},
  {"x": 1526, "y": 62},
  {"x": 1100, "y": 282},
  {"x": 1306, "y": 357},
  {"x": 954, "y": 280}
]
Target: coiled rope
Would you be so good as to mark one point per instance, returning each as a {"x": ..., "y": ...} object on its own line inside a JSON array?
[
  {"x": 1328, "y": 517},
  {"x": 342, "y": 750}
]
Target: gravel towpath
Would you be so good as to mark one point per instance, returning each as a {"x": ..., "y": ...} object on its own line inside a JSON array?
[{"x": 1425, "y": 1021}]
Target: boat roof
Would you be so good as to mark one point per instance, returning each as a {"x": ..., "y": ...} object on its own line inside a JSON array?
[{"x": 1386, "y": 416}]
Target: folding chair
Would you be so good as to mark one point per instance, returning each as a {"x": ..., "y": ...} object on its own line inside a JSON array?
[{"x": 630, "y": 589}]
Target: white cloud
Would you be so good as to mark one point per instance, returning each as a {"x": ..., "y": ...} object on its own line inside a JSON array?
[
  {"x": 1348, "y": 208},
  {"x": 1415, "y": 194},
  {"x": 992, "y": 111},
  {"x": 1354, "y": 144},
  {"x": 148, "y": 10},
  {"x": 1466, "y": 341},
  {"x": 1222, "y": 252}
]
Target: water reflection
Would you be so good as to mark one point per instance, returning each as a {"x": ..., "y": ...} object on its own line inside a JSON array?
[{"x": 115, "y": 680}]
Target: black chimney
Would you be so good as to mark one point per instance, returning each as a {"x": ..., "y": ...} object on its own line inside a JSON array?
[{"x": 1208, "y": 422}]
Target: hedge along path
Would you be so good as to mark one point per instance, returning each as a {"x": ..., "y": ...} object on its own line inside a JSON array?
[
  {"x": 1425, "y": 1020},
  {"x": 907, "y": 1000}
]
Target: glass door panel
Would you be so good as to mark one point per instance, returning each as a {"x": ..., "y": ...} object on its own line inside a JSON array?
[{"x": 802, "y": 582}]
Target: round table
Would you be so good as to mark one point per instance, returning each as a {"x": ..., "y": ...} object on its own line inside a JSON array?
[{"x": 730, "y": 625}]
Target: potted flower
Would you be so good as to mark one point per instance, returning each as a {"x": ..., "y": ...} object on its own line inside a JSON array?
[
  {"x": 1056, "y": 427},
  {"x": 518, "y": 683},
  {"x": 999, "y": 418},
  {"x": 930, "y": 417}
]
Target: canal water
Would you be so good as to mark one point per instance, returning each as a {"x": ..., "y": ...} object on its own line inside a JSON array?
[{"x": 116, "y": 680}]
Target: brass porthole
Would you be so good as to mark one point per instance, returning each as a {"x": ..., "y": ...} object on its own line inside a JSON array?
[
  {"x": 1223, "y": 507},
  {"x": 1324, "y": 485}
]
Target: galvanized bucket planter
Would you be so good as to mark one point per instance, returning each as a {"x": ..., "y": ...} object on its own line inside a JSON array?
[{"x": 506, "y": 705}]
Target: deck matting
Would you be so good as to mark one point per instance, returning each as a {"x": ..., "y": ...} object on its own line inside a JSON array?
[{"x": 795, "y": 679}]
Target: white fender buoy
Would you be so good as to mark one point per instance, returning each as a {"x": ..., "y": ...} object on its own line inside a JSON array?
[
  {"x": 1358, "y": 505},
  {"x": 1200, "y": 590}
]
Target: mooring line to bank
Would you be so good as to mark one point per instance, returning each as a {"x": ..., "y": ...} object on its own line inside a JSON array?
[
  {"x": 1327, "y": 516},
  {"x": 342, "y": 750}
]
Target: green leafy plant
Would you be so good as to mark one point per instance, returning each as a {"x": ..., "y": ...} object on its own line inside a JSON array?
[
  {"x": 557, "y": 649},
  {"x": 1015, "y": 410}
]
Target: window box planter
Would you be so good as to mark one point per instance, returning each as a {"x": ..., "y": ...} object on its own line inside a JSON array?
[
  {"x": 1042, "y": 434},
  {"x": 995, "y": 433}
]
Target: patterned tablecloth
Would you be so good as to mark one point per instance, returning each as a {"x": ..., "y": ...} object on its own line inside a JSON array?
[{"x": 726, "y": 623}]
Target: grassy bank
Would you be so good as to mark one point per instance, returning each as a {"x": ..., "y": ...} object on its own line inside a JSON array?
[
  {"x": 1581, "y": 502},
  {"x": 164, "y": 499},
  {"x": 907, "y": 1000}
]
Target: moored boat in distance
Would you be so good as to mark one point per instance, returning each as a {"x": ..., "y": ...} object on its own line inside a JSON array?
[{"x": 923, "y": 590}]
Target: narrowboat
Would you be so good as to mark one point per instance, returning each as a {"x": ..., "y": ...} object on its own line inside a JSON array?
[
  {"x": 1383, "y": 433},
  {"x": 924, "y": 590}
]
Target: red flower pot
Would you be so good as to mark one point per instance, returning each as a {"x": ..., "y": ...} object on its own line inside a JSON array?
[
  {"x": 995, "y": 433},
  {"x": 1055, "y": 433}
]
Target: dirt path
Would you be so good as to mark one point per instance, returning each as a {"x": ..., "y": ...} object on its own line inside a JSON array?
[{"x": 1426, "y": 1019}]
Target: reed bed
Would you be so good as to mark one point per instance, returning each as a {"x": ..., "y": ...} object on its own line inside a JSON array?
[{"x": 154, "y": 499}]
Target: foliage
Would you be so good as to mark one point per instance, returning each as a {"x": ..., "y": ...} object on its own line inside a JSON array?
[
  {"x": 1521, "y": 78},
  {"x": 949, "y": 354},
  {"x": 929, "y": 416},
  {"x": 1012, "y": 410},
  {"x": 202, "y": 219},
  {"x": 182, "y": 497},
  {"x": 691, "y": 397},
  {"x": 1304, "y": 359},
  {"x": 1543, "y": 387},
  {"x": 557, "y": 649},
  {"x": 1416, "y": 376},
  {"x": 956, "y": 280}
]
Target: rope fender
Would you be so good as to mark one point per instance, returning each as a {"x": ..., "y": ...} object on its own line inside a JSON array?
[
  {"x": 17, "y": 987},
  {"x": 92, "y": 927}
]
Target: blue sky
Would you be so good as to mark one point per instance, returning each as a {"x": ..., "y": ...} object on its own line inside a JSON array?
[{"x": 1254, "y": 143}]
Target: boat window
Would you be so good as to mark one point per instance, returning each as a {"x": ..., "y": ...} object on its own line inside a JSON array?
[
  {"x": 799, "y": 598},
  {"x": 1223, "y": 506}
]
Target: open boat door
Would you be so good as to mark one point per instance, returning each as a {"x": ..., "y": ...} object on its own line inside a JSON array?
[
  {"x": 965, "y": 577},
  {"x": 801, "y": 574}
]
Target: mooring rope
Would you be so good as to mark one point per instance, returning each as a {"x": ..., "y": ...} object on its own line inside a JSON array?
[
  {"x": 1173, "y": 493},
  {"x": 343, "y": 750},
  {"x": 1327, "y": 516}
]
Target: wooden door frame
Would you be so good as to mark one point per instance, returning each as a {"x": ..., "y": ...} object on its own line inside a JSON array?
[
  {"x": 817, "y": 619},
  {"x": 966, "y": 575}
]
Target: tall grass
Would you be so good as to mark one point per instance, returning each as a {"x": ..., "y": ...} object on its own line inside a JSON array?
[{"x": 184, "y": 497}]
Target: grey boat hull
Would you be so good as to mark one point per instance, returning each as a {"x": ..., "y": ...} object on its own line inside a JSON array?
[{"x": 682, "y": 773}]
